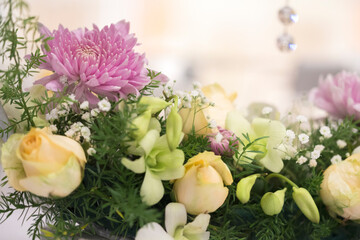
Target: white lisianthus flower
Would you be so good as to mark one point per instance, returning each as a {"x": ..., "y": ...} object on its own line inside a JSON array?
[
  {"x": 176, "y": 227},
  {"x": 303, "y": 138}
]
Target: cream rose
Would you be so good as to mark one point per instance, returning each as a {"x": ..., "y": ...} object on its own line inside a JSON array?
[
  {"x": 43, "y": 164},
  {"x": 340, "y": 189},
  {"x": 202, "y": 189}
]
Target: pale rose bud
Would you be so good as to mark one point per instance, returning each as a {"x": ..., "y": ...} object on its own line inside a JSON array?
[
  {"x": 341, "y": 186},
  {"x": 202, "y": 189},
  {"x": 42, "y": 163}
]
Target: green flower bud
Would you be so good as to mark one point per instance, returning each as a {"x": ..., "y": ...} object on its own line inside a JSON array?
[
  {"x": 244, "y": 187},
  {"x": 174, "y": 132},
  {"x": 154, "y": 104},
  {"x": 272, "y": 203},
  {"x": 141, "y": 123},
  {"x": 306, "y": 204}
]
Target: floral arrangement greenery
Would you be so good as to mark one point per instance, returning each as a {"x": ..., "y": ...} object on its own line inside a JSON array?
[{"x": 101, "y": 142}]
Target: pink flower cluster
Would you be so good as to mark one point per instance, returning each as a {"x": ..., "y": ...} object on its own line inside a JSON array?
[
  {"x": 339, "y": 95},
  {"x": 222, "y": 142},
  {"x": 94, "y": 63}
]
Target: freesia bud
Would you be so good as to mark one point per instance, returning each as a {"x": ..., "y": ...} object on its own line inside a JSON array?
[
  {"x": 154, "y": 104},
  {"x": 173, "y": 128},
  {"x": 244, "y": 187},
  {"x": 306, "y": 203},
  {"x": 272, "y": 203},
  {"x": 202, "y": 189}
]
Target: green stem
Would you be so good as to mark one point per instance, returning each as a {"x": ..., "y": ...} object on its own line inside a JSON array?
[{"x": 281, "y": 177}]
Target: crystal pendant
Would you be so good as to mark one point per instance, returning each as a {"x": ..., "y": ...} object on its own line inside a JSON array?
[
  {"x": 286, "y": 43},
  {"x": 288, "y": 16}
]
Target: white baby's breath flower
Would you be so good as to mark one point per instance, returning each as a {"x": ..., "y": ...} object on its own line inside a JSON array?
[
  {"x": 315, "y": 154},
  {"x": 86, "y": 117},
  {"x": 72, "y": 99},
  {"x": 53, "y": 128},
  {"x": 347, "y": 154},
  {"x": 325, "y": 131},
  {"x": 341, "y": 143},
  {"x": 218, "y": 137},
  {"x": 354, "y": 130},
  {"x": 196, "y": 85},
  {"x": 76, "y": 126},
  {"x": 95, "y": 112},
  {"x": 70, "y": 133},
  {"x": 312, "y": 163},
  {"x": 85, "y": 132},
  {"x": 289, "y": 137},
  {"x": 63, "y": 79},
  {"x": 84, "y": 105},
  {"x": 301, "y": 119},
  {"x": 319, "y": 148},
  {"x": 212, "y": 124},
  {"x": 104, "y": 105},
  {"x": 303, "y": 138},
  {"x": 266, "y": 110},
  {"x": 91, "y": 151},
  {"x": 194, "y": 93},
  {"x": 52, "y": 115},
  {"x": 301, "y": 160},
  {"x": 336, "y": 159}
]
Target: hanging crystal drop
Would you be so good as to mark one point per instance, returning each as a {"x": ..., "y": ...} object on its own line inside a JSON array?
[
  {"x": 288, "y": 16},
  {"x": 286, "y": 43}
]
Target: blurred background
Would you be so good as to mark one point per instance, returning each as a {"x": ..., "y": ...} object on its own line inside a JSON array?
[{"x": 231, "y": 42}]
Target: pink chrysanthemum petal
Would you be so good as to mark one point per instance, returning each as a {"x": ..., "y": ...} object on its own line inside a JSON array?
[{"x": 92, "y": 63}]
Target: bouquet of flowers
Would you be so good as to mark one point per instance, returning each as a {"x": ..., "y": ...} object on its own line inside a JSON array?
[{"x": 101, "y": 142}]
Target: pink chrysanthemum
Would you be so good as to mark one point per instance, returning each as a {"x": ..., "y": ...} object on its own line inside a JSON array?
[
  {"x": 222, "y": 142},
  {"x": 339, "y": 95},
  {"x": 94, "y": 62}
]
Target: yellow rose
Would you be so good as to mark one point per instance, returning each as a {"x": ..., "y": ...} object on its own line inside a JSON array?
[
  {"x": 223, "y": 103},
  {"x": 43, "y": 164},
  {"x": 202, "y": 189},
  {"x": 197, "y": 117},
  {"x": 340, "y": 189}
]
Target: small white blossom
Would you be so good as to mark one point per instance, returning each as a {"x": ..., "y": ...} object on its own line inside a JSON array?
[
  {"x": 76, "y": 126},
  {"x": 72, "y": 99},
  {"x": 218, "y": 137},
  {"x": 196, "y": 85},
  {"x": 95, "y": 112},
  {"x": 52, "y": 115},
  {"x": 86, "y": 117},
  {"x": 84, "y": 105},
  {"x": 336, "y": 159},
  {"x": 303, "y": 138},
  {"x": 266, "y": 110},
  {"x": 354, "y": 130},
  {"x": 319, "y": 148},
  {"x": 194, "y": 93},
  {"x": 341, "y": 143},
  {"x": 53, "y": 128},
  {"x": 347, "y": 154},
  {"x": 325, "y": 131},
  {"x": 212, "y": 124},
  {"x": 85, "y": 132},
  {"x": 104, "y": 105},
  {"x": 315, "y": 154},
  {"x": 289, "y": 137},
  {"x": 301, "y": 119},
  {"x": 312, "y": 163},
  {"x": 91, "y": 151},
  {"x": 63, "y": 79},
  {"x": 70, "y": 133},
  {"x": 301, "y": 160}
]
